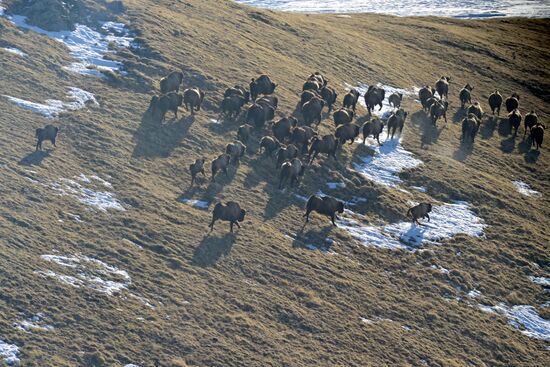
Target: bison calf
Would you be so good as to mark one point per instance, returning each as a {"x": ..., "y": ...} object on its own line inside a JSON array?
[{"x": 196, "y": 168}]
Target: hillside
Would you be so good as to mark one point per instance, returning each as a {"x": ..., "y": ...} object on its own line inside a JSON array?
[{"x": 96, "y": 239}]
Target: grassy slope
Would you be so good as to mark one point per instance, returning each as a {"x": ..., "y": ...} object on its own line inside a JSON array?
[{"x": 254, "y": 298}]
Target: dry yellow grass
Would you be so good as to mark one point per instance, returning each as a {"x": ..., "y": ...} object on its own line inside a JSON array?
[{"x": 255, "y": 298}]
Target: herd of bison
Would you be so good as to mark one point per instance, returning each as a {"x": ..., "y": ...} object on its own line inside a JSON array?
[{"x": 295, "y": 147}]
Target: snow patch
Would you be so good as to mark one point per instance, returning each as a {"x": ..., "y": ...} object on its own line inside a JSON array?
[
  {"x": 419, "y": 188},
  {"x": 89, "y": 273},
  {"x": 196, "y": 203},
  {"x": 540, "y": 281},
  {"x": 14, "y": 50},
  {"x": 53, "y": 107},
  {"x": 86, "y": 45},
  {"x": 336, "y": 185},
  {"x": 445, "y": 8},
  {"x": 387, "y": 162},
  {"x": 9, "y": 353},
  {"x": 522, "y": 317},
  {"x": 447, "y": 220},
  {"x": 33, "y": 323},
  {"x": 524, "y": 189},
  {"x": 101, "y": 200}
]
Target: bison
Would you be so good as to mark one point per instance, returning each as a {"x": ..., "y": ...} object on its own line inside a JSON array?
[
  {"x": 373, "y": 127},
  {"x": 237, "y": 91},
  {"x": 470, "y": 127},
  {"x": 512, "y": 102},
  {"x": 437, "y": 110},
  {"x": 49, "y": 132},
  {"x": 420, "y": 211},
  {"x": 291, "y": 171},
  {"x": 231, "y": 105},
  {"x": 537, "y": 135},
  {"x": 530, "y": 120},
  {"x": 325, "y": 205},
  {"x": 171, "y": 82},
  {"x": 424, "y": 94},
  {"x": 244, "y": 132},
  {"x": 220, "y": 163},
  {"x": 374, "y": 97},
  {"x": 285, "y": 154},
  {"x": 465, "y": 95},
  {"x": 312, "y": 109},
  {"x": 495, "y": 101},
  {"x": 192, "y": 98},
  {"x": 442, "y": 87},
  {"x": 476, "y": 110},
  {"x": 347, "y": 132},
  {"x": 329, "y": 95},
  {"x": 514, "y": 118},
  {"x": 262, "y": 85},
  {"x": 351, "y": 98},
  {"x": 300, "y": 136},
  {"x": 259, "y": 114},
  {"x": 342, "y": 116},
  {"x": 235, "y": 150},
  {"x": 281, "y": 129},
  {"x": 396, "y": 121},
  {"x": 326, "y": 144},
  {"x": 231, "y": 212},
  {"x": 395, "y": 99},
  {"x": 196, "y": 168},
  {"x": 269, "y": 145}
]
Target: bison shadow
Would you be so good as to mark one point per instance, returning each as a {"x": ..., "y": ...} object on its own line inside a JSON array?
[
  {"x": 155, "y": 139},
  {"x": 314, "y": 239},
  {"x": 460, "y": 114},
  {"x": 504, "y": 127},
  {"x": 487, "y": 128},
  {"x": 508, "y": 145},
  {"x": 35, "y": 158},
  {"x": 211, "y": 249},
  {"x": 429, "y": 132},
  {"x": 463, "y": 151},
  {"x": 530, "y": 155}
]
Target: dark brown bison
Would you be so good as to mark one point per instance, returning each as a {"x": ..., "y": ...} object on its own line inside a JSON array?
[
  {"x": 237, "y": 91},
  {"x": 537, "y": 135},
  {"x": 442, "y": 87},
  {"x": 269, "y": 145},
  {"x": 396, "y": 121},
  {"x": 271, "y": 101},
  {"x": 49, "y": 132},
  {"x": 329, "y": 95},
  {"x": 285, "y": 154},
  {"x": 374, "y": 97},
  {"x": 192, "y": 99},
  {"x": 395, "y": 99},
  {"x": 326, "y": 144},
  {"x": 530, "y": 120},
  {"x": 311, "y": 84},
  {"x": 424, "y": 94},
  {"x": 259, "y": 114},
  {"x": 291, "y": 171},
  {"x": 300, "y": 136},
  {"x": 319, "y": 78},
  {"x": 244, "y": 132},
  {"x": 495, "y": 101},
  {"x": 420, "y": 211},
  {"x": 342, "y": 116},
  {"x": 167, "y": 102},
  {"x": 220, "y": 164},
  {"x": 431, "y": 101},
  {"x": 347, "y": 132},
  {"x": 231, "y": 106},
  {"x": 437, "y": 110},
  {"x": 262, "y": 85},
  {"x": 514, "y": 118},
  {"x": 512, "y": 102},
  {"x": 307, "y": 95},
  {"x": 470, "y": 127},
  {"x": 373, "y": 127},
  {"x": 196, "y": 168},
  {"x": 476, "y": 109},
  {"x": 351, "y": 98},
  {"x": 235, "y": 150},
  {"x": 281, "y": 129},
  {"x": 312, "y": 109},
  {"x": 465, "y": 95},
  {"x": 324, "y": 205},
  {"x": 231, "y": 212},
  {"x": 171, "y": 82}
]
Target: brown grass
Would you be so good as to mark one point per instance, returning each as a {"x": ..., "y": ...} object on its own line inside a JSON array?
[{"x": 255, "y": 298}]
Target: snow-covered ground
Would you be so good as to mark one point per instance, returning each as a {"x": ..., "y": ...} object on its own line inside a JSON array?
[
  {"x": 87, "y": 272},
  {"x": 524, "y": 189},
  {"x": 545, "y": 282},
  {"x": 200, "y": 204},
  {"x": 9, "y": 353},
  {"x": 446, "y": 8},
  {"x": 33, "y": 323},
  {"x": 525, "y": 318},
  {"x": 86, "y": 45},
  {"x": 447, "y": 220},
  {"x": 101, "y": 200},
  {"x": 14, "y": 51},
  {"x": 53, "y": 107}
]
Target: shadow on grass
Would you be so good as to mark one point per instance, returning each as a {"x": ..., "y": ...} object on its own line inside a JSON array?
[
  {"x": 35, "y": 158},
  {"x": 212, "y": 248}
]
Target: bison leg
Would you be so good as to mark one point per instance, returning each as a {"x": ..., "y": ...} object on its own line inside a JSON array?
[
  {"x": 308, "y": 211},
  {"x": 380, "y": 104},
  {"x": 225, "y": 170},
  {"x": 428, "y": 216},
  {"x": 498, "y": 111},
  {"x": 212, "y": 224},
  {"x": 332, "y": 217},
  {"x": 378, "y": 139},
  {"x": 231, "y": 226}
]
